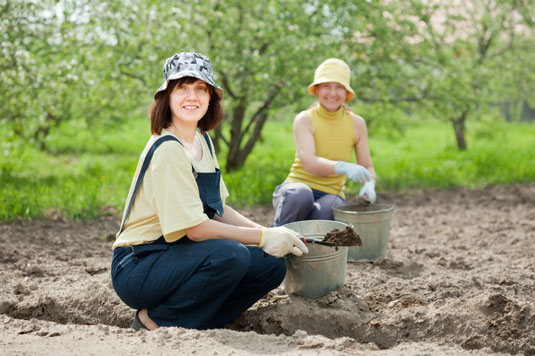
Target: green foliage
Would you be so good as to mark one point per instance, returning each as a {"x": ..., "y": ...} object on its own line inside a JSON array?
[
  {"x": 424, "y": 158},
  {"x": 84, "y": 184},
  {"x": 267, "y": 167},
  {"x": 384, "y": 118},
  {"x": 473, "y": 53},
  {"x": 54, "y": 68},
  {"x": 83, "y": 172},
  {"x": 98, "y": 63},
  {"x": 76, "y": 76}
]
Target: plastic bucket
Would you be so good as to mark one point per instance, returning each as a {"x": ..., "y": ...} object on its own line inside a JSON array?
[
  {"x": 372, "y": 223},
  {"x": 322, "y": 269}
]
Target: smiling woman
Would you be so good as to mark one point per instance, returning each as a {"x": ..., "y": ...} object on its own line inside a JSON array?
[
  {"x": 182, "y": 257},
  {"x": 325, "y": 137},
  {"x": 188, "y": 103}
]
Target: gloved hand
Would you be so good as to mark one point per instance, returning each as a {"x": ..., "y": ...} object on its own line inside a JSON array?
[
  {"x": 279, "y": 241},
  {"x": 353, "y": 171},
  {"x": 368, "y": 190}
]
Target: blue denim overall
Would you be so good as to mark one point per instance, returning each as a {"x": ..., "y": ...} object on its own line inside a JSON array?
[{"x": 198, "y": 285}]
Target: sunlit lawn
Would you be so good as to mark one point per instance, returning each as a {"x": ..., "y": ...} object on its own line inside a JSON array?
[{"x": 85, "y": 170}]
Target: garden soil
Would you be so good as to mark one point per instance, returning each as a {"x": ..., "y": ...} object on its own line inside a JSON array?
[
  {"x": 458, "y": 279},
  {"x": 345, "y": 237}
]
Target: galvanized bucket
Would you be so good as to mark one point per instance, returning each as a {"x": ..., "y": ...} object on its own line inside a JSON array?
[
  {"x": 372, "y": 223},
  {"x": 322, "y": 269}
]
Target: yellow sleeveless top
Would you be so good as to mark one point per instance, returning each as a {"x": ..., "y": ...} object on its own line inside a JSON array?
[{"x": 334, "y": 138}]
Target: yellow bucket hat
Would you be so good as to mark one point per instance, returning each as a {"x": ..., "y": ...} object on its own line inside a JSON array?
[{"x": 333, "y": 70}]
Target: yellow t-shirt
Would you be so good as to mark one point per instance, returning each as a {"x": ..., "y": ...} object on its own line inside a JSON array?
[
  {"x": 334, "y": 139},
  {"x": 167, "y": 201}
]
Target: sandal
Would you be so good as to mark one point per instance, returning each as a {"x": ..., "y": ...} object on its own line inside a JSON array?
[{"x": 137, "y": 324}]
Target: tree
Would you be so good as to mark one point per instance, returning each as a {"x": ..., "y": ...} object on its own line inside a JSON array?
[
  {"x": 264, "y": 55},
  {"x": 464, "y": 47},
  {"x": 92, "y": 60}
]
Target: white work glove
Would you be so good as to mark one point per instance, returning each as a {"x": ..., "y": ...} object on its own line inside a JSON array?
[
  {"x": 353, "y": 171},
  {"x": 368, "y": 191},
  {"x": 279, "y": 241}
]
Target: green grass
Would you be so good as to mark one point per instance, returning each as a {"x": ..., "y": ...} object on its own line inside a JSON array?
[
  {"x": 85, "y": 170},
  {"x": 83, "y": 174},
  {"x": 427, "y": 156}
]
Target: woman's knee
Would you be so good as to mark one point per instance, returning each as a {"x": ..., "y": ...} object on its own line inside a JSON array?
[
  {"x": 230, "y": 258},
  {"x": 299, "y": 194}
]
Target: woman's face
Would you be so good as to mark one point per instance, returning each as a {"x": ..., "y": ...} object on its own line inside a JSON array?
[
  {"x": 331, "y": 95},
  {"x": 189, "y": 102}
]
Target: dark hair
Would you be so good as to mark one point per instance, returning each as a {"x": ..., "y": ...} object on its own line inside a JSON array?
[{"x": 160, "y": 112}]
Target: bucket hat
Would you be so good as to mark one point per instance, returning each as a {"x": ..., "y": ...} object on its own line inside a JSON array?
[
  {"x": 188, "y": 64},
  {"x": 333, "y": 70}
]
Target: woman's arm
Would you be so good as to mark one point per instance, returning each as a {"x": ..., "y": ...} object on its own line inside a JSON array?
[
  {"x": 276, "y": 241},
  {"x": 306, "y": 148},
  {"x": 233, "y": 217},
  {"x": 362, "y": 149},
  {"x": 232, "y": 225},
  {"x": 213, "y": 229}
]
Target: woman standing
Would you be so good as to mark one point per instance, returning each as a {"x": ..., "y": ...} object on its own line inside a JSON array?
[
  {"x": 182, "y": 256},
  {"x": 325, "y": 137}
]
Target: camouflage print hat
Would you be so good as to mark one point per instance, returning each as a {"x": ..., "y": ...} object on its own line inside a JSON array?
[{"x": 189, "y": 64}]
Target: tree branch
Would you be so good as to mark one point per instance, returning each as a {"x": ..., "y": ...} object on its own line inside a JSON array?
[
  {"x": 265, "y": 105},
  {"x": 226, "y": 85},
  {"x": 135, "y": 76}
]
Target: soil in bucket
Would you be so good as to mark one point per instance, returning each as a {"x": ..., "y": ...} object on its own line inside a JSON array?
[{"x": 346, "y": 237}]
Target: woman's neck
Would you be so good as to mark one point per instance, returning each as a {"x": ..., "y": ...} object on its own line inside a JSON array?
[
  {"x": 330, "y": 114},
  {"x": 184, "y": 133}
]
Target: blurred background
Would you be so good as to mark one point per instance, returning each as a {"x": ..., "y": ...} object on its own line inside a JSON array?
[{"x": 447, "y": 89}]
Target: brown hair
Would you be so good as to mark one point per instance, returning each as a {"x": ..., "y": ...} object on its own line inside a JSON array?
[{"x": 160, "y": 112}]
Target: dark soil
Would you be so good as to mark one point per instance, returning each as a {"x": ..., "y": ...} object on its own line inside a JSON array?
[
  {"x": 346, "y": 237},
  {"x": 361, "y": 201}
]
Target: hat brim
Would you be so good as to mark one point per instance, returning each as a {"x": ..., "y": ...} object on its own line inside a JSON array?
[
  {"x": 194, "y": 74},
  {"x": 350, "y": 92}
]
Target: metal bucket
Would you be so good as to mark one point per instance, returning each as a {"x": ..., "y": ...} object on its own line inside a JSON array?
[
  {"x": 372, "y": 223},
  {"x": 322, "y": 269}
]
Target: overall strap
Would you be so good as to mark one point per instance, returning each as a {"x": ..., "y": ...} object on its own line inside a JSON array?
[
  {"x": 207, "y": 139},
  {"x": 144, "y": 167}
]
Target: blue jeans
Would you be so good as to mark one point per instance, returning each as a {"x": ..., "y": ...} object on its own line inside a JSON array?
[
  {"x": 297, "y": 202},
  {"x": 198, "y": 285}
]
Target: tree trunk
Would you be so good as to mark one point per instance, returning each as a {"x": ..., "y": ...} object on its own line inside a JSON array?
[
  {"x": 506, "y": 109},
  {"x": 528, "y": 113},
  {"x": 236, "y": 136},
  {"x": 460, "y": 131},
  {"x": 216, "y": 138},
  {"x": 238, "y": 152}
]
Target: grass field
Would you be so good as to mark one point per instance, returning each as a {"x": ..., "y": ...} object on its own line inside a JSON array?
[{"x": 86, "y": 173}]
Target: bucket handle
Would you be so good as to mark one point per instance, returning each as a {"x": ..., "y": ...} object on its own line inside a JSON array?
[{"x": 377, "y": 180}]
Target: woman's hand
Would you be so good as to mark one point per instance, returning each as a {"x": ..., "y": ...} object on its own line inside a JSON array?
[
  {"x": 279, "y": 241},
  {"x": 353, "y": 171},
  {"x": 368, "y": 191}
]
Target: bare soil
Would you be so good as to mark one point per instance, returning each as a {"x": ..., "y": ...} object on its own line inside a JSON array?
[{"x": 458, "y": 279}]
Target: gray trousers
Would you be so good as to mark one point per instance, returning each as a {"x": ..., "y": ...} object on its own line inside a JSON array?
[{"x": 297, "y": 202}]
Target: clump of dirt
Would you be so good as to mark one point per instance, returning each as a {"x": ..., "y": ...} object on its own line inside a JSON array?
[
  {"x": 346, "y": 237},
  {"x": 362, "y": 201}
]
